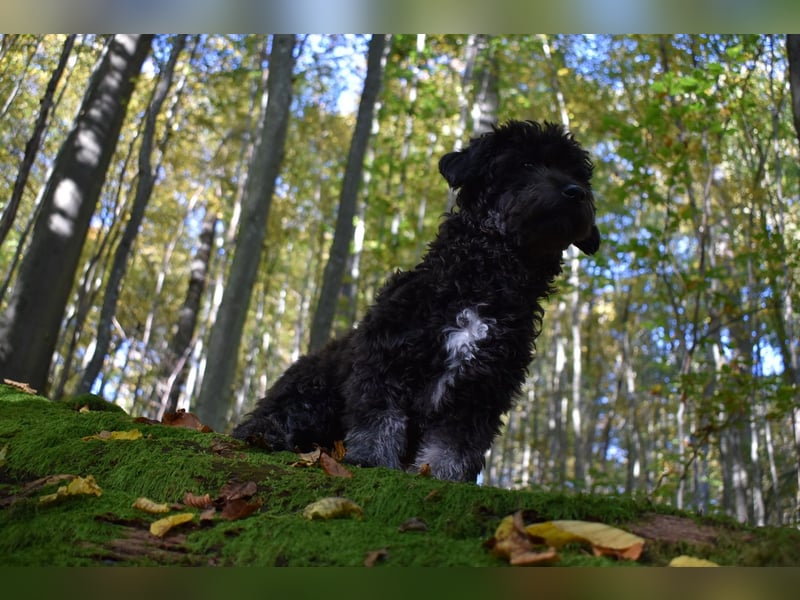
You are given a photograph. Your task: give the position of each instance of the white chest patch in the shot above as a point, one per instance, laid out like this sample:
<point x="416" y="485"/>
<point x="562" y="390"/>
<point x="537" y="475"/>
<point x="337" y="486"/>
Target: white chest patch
<point x="462" y="341"/>
<point x="460" y="344"/>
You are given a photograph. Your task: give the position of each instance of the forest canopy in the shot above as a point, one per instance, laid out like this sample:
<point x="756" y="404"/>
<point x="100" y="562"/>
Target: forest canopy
<point x="669" y="362"/>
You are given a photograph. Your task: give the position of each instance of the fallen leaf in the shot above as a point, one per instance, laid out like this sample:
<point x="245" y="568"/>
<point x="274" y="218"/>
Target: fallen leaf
<point x="84" y="409"/>
<point x="239" y="508"/>
<point x="307" y="459"/>
<point x="332" y="508"/>
<point x="425" y="470"/>
<point x="184" y="419"/>
<point x="332" y="467"/>
<point x="527" y="559"/>
<point x="604" y="539"/>
<point x="21" y="386"/>
<point x="233" y="490"/>
<point x="511" y="539"/>
<point x="105" y="436"/>
<point x="77" y="487"/>
<point x="413" y="524"/>
<point x="339" y="450"/>
<point x="204" y="501"/>
<point x="3" y="455"/>
<point x="146" y="421"/>
<point x="149" y="506"/>
<point x="207" y="515"/>
<point x="162" y="526"/>
<point x="690" y="561"/>
<point x="373" y="556"/>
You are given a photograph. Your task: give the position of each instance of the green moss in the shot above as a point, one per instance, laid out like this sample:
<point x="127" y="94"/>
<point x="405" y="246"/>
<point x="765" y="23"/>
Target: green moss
<point x="45" y="438"/>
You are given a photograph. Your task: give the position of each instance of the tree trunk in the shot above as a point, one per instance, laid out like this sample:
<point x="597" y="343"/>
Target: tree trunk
<point x="793" y="53"/>
<point x="30" y="325"/>
<point x="32" y="147"/>
<point x="144" y="189"/>
<point x="173" y="371"/>
<point x="225" y="336"/>
<point x="340" y="248"/>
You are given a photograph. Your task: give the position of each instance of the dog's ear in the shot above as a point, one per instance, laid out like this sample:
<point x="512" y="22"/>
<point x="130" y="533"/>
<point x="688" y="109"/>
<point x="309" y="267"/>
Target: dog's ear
<point x="591" y="244"/>
<point x="456" y="167"/>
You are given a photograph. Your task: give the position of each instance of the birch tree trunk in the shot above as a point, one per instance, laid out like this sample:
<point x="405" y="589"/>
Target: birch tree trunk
<point x="340" y="248"/>
<point x="225" y="337"/>
<point x="30" y="325"/>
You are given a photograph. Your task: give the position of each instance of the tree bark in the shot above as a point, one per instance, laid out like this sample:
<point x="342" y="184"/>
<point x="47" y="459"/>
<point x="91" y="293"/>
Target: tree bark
<point x="340" y="248"/>
<point x="225" y="336"/>
<point x="144" y="189"/>
<point x="173" y="370"/>
<point x="793" y="54"/>
<point x="30" y="325"/>
<point x="32" y="147"/>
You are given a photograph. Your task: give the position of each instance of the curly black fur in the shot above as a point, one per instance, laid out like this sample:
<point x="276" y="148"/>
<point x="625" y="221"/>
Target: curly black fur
<point x="443" y="351"/>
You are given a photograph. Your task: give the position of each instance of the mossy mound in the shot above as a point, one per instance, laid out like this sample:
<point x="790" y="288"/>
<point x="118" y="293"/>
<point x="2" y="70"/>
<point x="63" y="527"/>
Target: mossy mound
<point x="41" y="439"/>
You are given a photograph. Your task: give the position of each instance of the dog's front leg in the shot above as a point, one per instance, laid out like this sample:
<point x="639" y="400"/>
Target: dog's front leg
<point x="375" y="437"/>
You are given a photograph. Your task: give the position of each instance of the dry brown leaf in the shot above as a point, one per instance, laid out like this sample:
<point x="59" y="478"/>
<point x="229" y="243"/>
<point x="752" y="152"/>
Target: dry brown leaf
<point x="413" y="524"/>
<point x="339" y="450"/>
<point x="84" y="409"/>
<point x="333" y="508"/>
<point x="373" y="556"/>
<point x="146" y="421"/>
<point x="21" y="386"/>
<point x="690" y="561"/>
<point x="77" y="487"/>
<point x="239" y="508"/>
<point x="161" y="527"/>
<point x="207" y="515"/>
<point x="511" y="539"/>
<point x="233" y="490"/>
<point x="184" y="419"/>
<point x="527" y="559"/>
<point x="425" y="470"/>
<point x="149" y="506"/>
<point x="333" y="468"/>
<point x="106" y="436"/>
<point x="3" y="455"/>
<point x="204" y="501"/>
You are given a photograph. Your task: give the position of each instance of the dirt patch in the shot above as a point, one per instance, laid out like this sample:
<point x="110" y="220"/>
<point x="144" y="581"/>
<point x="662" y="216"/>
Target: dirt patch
<point x="135" y="542"/>
<point x="674" y="529"/>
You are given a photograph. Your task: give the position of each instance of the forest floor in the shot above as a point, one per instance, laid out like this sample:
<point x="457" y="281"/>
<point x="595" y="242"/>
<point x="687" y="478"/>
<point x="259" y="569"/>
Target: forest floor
<point x="69" y="480"/>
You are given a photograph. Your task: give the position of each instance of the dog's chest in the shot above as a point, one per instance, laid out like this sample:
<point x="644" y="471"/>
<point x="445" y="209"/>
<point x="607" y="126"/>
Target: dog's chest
<point x="461" y="340"/>
<point x="462" y="349"/>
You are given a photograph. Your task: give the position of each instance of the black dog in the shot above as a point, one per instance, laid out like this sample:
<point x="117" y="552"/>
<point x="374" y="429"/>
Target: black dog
<point x="440" y="356"/>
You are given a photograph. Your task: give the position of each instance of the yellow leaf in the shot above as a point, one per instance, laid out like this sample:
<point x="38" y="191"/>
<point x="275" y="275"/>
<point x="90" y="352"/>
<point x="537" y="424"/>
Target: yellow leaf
<point x="605" y="540"/>
<point x="148" y="505"/>
<point x="105" y="436"/>
<point x="552" y="534"/>
<point x="690" y="561"/>
<point x="162" y="526"/>
<point x="78" y="486"/>
<point x="332" y="508"/>
<point x="563" y="71"/>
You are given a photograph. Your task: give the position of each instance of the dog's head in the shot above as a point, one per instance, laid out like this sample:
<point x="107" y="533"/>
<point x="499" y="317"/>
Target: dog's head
<point x="533" y="181"/>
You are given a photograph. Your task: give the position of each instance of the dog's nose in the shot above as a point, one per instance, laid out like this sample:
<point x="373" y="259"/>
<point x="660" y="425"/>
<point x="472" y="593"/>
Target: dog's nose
<point x="574" y="192"/>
